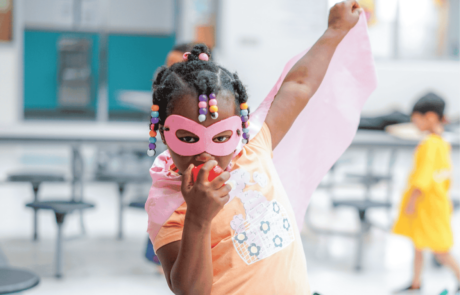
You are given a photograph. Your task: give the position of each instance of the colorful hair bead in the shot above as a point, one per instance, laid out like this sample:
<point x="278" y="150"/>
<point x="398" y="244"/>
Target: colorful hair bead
<point x="203" y="56"/>
<point x="185" y="56"/>
<point x="202" y="105"/>
<point x="154" y="119"/>
<point x="244" y="115"/>
<point x="213" y="109"/>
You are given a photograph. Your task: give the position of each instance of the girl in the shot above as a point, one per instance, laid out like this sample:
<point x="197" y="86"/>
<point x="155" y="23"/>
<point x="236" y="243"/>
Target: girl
<point x="425" y="213"/>
<point x="236" y="234"/>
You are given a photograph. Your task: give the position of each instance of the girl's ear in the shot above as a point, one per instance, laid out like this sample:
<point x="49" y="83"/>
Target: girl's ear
<point x="444" y="120"/>
<point x="162" y="134"/>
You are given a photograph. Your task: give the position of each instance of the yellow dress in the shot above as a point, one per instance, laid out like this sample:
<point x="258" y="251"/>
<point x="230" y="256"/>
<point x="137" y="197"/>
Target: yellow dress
<point x="429" y="227"/>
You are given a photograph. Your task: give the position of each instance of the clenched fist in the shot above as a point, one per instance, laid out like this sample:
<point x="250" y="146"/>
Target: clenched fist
<point x="344" y="15"/>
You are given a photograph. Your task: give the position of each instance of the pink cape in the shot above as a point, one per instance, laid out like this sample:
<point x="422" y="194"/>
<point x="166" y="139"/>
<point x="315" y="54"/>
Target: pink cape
<point x="318" y="137"/>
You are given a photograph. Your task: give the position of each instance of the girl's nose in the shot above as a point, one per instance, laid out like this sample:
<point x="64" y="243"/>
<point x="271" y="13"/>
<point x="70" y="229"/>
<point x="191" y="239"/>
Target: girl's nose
<point x="204" y="157"/>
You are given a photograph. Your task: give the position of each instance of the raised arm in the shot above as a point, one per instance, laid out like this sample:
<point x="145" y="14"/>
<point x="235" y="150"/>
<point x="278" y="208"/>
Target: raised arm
<point x="306" y="75"/>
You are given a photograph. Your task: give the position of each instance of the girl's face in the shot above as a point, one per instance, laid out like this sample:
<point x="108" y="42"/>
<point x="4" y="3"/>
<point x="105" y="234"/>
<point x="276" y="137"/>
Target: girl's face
<point x="425" y="122"/>
<point x="187" y="106"/>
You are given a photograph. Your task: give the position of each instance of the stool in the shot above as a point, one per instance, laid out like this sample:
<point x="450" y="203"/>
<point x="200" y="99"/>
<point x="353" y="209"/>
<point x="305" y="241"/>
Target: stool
<point x="121" y="180"/>
<point x="61" y="209"/>
<point x="35" y="178"/>
<point x="13" y="280"/>
<point x="361" y="207"/>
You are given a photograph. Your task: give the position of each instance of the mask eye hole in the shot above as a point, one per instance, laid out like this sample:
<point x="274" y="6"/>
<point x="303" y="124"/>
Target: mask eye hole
<point x="223" y="137"/>
<point x="187" y="136"/>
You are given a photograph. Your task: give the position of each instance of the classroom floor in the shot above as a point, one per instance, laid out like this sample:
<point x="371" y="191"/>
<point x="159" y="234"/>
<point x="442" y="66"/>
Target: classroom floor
<point x="98" y="263"/>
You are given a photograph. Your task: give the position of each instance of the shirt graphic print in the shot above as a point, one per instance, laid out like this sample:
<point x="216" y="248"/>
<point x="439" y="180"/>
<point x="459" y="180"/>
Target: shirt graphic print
<point x="266" y="228"/>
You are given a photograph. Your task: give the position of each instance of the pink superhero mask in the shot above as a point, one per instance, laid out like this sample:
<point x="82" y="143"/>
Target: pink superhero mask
<point x="205" y="143"/>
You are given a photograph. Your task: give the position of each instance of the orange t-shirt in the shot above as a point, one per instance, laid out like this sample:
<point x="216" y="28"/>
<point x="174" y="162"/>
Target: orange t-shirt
<point x="256" y="245"/>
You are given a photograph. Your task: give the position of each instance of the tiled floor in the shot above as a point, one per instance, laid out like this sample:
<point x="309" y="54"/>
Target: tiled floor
<point x="99" y="264"/>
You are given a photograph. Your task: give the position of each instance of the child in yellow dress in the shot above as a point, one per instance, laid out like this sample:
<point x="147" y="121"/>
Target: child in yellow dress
<point x="426" y="209"/>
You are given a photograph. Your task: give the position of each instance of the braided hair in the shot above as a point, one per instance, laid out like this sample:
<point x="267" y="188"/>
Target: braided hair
<point x="194" y="77"/>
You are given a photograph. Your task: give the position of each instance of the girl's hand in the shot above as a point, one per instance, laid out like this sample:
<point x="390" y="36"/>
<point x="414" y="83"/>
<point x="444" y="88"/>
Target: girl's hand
<point x="344" y="16"/>
<point x="204" y="198"/>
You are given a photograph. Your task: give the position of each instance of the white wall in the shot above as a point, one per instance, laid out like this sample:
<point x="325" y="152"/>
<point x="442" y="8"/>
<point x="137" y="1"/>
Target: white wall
<point x="257" y="41"/>
<point x="401" y="83"/>
<point x="11" y="72"/>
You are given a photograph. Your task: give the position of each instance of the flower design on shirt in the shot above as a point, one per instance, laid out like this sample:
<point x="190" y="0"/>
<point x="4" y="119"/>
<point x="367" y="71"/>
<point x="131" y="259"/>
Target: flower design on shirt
<point x="278" y="241"/>
<point x="276" y="207"/>
<point x="254" y="250"/>
<point x="241" y="237"/>
<point x="286" y="224"/>
<point x="265" y="226"/>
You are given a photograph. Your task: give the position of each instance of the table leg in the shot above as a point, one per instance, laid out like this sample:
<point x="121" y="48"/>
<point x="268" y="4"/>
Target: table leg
<point x="391" y="163"/>
<point x="370" y="162"/>
<point x="121" y="189"/>
<point x="60" y="222"/>
<point x="77" y="174"/>
<point x="77" y="181"/>
<point x="35" y="187"/>
<point x="360" y="240"/>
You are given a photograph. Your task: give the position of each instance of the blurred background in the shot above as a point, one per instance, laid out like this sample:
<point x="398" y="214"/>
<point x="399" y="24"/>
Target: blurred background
<point x="75" y="96"/>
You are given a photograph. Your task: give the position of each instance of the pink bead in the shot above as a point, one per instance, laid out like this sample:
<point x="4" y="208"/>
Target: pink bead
<point x="202" y="104"/>
<point x="185" y="56"/>
<point x="203" y="56"/>
<point x="213" y="102"/>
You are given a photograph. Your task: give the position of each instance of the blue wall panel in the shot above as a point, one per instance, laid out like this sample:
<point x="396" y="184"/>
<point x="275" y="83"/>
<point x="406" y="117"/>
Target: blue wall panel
<point x="132" y="61"/>
<point x="41" y="67"/>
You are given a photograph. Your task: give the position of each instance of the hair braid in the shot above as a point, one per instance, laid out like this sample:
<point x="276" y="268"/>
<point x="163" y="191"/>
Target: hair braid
<point x="194" y="77"/>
